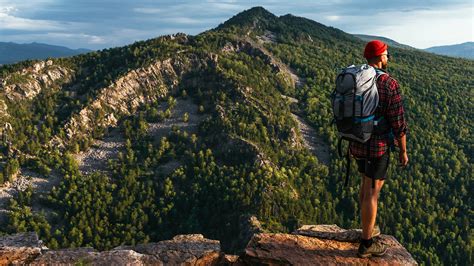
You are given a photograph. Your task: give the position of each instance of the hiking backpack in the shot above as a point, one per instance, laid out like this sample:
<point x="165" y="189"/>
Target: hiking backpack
<point x="354" y="101"/>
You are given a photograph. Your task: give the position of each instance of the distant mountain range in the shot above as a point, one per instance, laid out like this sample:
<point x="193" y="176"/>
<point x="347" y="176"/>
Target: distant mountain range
<point x="11" y="52"/>
<point x="463" y="50"/>
<point x="390" y="42"/>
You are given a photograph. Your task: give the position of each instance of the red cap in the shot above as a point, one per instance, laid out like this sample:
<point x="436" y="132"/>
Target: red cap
<point x="374" y="48"/>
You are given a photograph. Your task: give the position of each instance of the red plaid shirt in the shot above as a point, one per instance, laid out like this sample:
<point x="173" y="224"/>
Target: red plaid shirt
<point x="391" y="108"/>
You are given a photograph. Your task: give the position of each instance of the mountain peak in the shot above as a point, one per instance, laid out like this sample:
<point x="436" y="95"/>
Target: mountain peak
<point x="250" y="17"/>
<point x="257" y="11"/>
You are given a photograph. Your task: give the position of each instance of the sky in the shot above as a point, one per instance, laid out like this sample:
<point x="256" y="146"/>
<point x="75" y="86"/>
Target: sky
<point x="98" y="24"/>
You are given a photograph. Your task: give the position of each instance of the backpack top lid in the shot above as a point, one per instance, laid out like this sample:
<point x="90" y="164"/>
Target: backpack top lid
<point x="361" y="77"/>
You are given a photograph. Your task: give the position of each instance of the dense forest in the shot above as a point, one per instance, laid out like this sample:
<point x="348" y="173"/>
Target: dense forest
<point x="242" y="160"/>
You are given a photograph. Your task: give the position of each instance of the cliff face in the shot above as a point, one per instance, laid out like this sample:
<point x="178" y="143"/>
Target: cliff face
<point x="309" y="245"/>
<point x="28" y="82"/>
<point x="126" y="94"/>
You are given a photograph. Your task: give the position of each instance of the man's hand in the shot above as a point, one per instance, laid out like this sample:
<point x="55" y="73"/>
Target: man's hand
<point x="402" y="145"/>
<point x="403" y="156"/>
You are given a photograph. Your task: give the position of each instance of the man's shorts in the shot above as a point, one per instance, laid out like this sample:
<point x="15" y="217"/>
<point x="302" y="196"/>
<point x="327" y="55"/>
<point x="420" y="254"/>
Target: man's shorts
<point x="375" y="168"/>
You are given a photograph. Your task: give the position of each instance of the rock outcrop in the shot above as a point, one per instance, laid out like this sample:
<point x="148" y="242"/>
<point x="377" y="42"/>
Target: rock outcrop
<point x="123" y="97"/>
<point x="19" y="248"/>
<point x="253" y="48"/>
<point x="320" y="245"/>
<point x="29" y="82"/>
<point x="25" y="248"/>
<point x="309" y="245"/>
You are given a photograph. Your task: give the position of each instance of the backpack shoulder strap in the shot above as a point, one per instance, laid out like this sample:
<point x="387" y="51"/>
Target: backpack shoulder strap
<point x="379" y="72"/>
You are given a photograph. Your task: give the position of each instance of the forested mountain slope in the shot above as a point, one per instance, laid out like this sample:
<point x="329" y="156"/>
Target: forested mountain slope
<point x="246" y="156"/>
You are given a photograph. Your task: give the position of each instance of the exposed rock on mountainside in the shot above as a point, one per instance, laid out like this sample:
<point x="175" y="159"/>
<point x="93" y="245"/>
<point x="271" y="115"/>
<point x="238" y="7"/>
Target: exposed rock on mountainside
<point x="28" y="82"/>
<point x="96" y="158"/>
<point x="256" y="49"/>
<point x="41" y="186"/>
<point x="194" y="249"/>
<point x="311" y="140"/>
<point x="126" y="94"/>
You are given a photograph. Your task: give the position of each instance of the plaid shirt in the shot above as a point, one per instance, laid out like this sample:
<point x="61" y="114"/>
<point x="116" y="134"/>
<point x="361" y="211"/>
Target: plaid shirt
<point x="391" y="107"/>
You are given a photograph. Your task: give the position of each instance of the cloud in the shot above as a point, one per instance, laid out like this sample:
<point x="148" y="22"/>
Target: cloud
<point x="420" y="28"/>
<point x="107" y="23"/>
<point x="149" y="10"/>
<point x="7" y="10"/>
<point x="8" y="22"/>
<point x="416" y="9"/>
<point x="333" y="18"/>
<point x="82" y="37"/>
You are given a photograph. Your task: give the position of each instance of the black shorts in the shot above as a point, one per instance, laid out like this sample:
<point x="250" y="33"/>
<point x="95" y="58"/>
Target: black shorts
<point x="375" y="168"/>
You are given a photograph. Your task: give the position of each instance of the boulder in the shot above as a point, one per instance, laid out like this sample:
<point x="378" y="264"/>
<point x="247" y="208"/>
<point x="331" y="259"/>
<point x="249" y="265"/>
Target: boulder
<point x="320" y="245"/>
<point x="19" y="248"/>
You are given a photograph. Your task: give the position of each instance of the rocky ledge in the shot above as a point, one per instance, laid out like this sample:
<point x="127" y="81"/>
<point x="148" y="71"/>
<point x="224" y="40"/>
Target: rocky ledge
<point x="309" y="245"/>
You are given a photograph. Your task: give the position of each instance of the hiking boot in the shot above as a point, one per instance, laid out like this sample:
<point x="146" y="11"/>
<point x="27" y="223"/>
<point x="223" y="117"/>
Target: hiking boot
<point x="376" y="249"/>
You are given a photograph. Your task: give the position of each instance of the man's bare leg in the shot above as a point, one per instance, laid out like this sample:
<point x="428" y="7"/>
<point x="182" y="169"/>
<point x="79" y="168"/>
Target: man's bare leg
<point x="369" y="197"/>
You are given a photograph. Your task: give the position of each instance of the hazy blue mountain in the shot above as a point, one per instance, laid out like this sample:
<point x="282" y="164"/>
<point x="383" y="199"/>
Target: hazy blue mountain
<point x="390" y="42"/>
<point x="11" y="52"/>
<point x="465" y="50"/>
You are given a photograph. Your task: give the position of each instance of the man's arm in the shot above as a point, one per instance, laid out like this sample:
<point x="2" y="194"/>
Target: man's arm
<point x="403" y="156"/>
<point x="395" y="115"/>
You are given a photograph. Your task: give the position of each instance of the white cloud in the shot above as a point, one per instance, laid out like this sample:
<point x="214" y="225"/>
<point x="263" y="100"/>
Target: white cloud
<point x="333" y="18"/>
<point x="182" y="20"/>
<point x="8" y="10"/>
<point x="226" y="6"/>
<point x="426" y="28"/>
<point x="98" y="24"/>
<point x="148" y="10"/>
<point x="77" y="37"/>
<point x="185" y="20"/>
<point x="9" y="22"/>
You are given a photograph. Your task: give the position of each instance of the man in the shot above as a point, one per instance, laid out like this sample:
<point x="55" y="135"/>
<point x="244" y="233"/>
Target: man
<point x="373" y="156"/>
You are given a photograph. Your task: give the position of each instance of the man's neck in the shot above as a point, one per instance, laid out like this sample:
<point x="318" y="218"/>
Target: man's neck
<point x="377" y="65"/>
